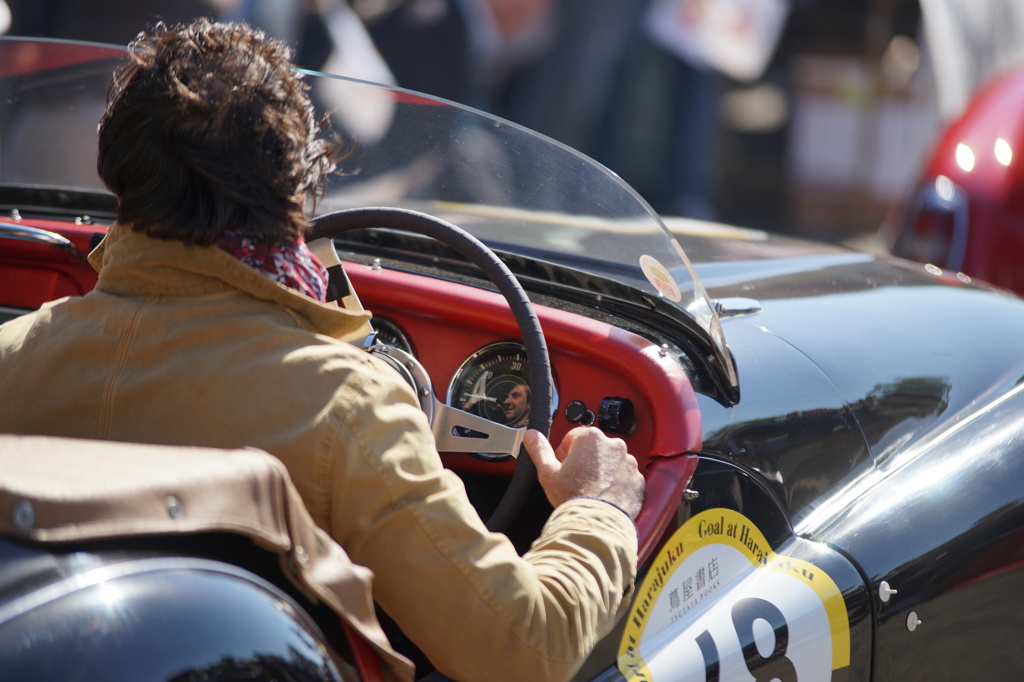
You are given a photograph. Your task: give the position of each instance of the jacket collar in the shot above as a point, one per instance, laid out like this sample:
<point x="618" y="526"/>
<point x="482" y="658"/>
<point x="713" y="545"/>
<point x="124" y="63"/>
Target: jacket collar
<point x="134" y="264"/>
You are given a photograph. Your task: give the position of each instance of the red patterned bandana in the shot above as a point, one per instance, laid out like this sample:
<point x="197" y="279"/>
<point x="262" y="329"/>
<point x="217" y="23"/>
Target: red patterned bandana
<point x="294" y="265"/>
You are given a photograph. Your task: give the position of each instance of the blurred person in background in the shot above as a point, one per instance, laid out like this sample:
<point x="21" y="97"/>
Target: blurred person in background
<point x="325" y="35"/>
<point x="635" y="85"/>
<point x="101" y="21"/>
<point x="461" y="50"/>
<point x="584" y="72"/>
<point x="592" y="74"/>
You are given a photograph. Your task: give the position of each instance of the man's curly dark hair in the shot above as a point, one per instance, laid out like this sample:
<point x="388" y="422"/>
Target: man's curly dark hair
<point x="208" y="128"/>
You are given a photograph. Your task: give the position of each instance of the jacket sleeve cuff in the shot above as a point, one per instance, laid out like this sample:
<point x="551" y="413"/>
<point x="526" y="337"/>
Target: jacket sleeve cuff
<point x="595" y="515"/>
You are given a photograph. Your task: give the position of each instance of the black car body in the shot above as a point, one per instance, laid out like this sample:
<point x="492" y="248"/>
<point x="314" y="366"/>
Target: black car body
<point x="832" y="439"/>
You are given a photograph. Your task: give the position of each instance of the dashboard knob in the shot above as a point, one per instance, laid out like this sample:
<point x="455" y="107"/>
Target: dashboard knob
<point x="577" y="413"/>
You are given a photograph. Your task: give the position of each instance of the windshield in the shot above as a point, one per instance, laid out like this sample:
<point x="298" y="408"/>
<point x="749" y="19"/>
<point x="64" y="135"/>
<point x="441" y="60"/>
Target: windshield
<point x="514" y="189"/>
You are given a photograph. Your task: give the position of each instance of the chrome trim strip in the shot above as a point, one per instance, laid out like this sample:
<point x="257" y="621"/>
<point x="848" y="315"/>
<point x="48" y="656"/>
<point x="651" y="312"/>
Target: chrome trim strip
<point x="37" y="236"/>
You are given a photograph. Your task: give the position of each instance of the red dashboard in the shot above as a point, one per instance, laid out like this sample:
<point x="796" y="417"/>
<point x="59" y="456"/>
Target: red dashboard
<point x="446" y="322"/>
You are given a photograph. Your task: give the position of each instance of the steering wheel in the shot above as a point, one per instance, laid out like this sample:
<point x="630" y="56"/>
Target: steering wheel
<point x="447" y="422"/>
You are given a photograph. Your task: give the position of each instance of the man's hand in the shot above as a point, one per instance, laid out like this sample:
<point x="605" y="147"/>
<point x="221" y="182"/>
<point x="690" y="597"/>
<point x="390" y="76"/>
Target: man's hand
<point x="587" y="464"/>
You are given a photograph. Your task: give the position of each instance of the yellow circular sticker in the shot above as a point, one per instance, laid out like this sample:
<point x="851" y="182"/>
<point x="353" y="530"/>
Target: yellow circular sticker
<point x="718" y="603"/>
<point x="659" y="276"/>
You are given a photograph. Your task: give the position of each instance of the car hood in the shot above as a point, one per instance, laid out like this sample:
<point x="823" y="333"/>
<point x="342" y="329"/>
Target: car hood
<point x="845" y="359"/>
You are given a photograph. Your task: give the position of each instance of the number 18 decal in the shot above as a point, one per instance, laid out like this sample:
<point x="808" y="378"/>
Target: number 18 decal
<point x="719" y="605"/>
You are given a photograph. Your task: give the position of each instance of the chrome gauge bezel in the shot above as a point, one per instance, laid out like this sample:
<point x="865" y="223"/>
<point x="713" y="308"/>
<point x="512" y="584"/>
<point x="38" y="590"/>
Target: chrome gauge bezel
<point x="390" y="334"/>
<point x="411" y="370"/>
<point x="481" y="360"/>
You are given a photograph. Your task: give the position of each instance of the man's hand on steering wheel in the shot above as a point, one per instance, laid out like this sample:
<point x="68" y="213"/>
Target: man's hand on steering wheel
<point x="587" y="463"/>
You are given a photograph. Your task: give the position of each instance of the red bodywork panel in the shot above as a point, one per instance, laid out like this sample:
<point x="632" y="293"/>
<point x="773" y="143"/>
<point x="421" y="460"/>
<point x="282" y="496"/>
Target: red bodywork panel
<point x="32" y="273"/>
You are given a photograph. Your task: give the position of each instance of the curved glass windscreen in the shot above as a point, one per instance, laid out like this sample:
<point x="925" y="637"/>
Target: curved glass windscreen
<point x="510" y="187"/>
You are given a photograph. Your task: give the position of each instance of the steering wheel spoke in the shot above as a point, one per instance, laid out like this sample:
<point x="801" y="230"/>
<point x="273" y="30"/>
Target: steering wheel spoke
<point x="451" y="426"/>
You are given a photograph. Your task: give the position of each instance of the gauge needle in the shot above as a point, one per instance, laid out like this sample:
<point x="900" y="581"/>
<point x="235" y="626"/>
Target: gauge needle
<point x="477" y="397"/>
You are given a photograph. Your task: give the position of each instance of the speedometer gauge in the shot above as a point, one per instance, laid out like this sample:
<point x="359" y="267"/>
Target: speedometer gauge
<point x="494" y="383"/>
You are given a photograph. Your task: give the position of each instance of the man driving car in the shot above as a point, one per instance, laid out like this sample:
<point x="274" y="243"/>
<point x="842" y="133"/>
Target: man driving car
<point x="208" y="327"/>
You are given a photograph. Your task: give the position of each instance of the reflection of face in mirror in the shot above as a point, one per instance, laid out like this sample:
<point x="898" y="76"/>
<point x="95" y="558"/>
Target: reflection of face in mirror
<point x="517" y="405"/>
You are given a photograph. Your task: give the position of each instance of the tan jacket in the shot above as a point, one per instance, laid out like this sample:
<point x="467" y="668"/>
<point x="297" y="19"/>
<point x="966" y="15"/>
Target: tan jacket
<point x="185" y="345"/>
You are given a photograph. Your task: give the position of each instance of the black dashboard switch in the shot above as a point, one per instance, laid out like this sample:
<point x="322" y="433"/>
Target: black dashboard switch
<point x="616" y="415"/>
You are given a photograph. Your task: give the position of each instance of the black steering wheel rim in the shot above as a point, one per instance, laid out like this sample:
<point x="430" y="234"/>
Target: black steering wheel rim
<point x="541" y="384"/>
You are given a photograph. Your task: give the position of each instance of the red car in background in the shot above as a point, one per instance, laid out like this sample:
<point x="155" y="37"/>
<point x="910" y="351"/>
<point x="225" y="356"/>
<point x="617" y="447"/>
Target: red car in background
<point x="967" y="214"/>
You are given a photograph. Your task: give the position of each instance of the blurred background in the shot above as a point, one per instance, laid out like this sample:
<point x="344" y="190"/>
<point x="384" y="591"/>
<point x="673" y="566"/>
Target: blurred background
<point x="802" y="117"/>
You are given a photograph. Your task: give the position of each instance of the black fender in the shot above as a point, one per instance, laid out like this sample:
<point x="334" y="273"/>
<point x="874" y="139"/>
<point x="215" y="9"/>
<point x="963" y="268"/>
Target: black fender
<point x="81" y="616"/>
<point x="942" y="525"/>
